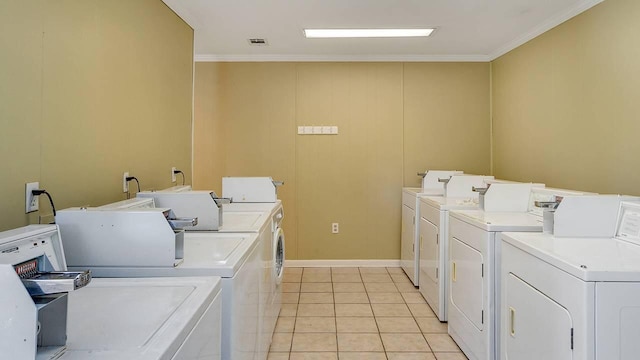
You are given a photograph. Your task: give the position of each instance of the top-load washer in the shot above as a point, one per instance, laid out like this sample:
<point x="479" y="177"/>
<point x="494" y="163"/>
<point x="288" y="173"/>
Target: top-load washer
<point x="259" y="212"/>
<point x="433" y="236"/>
<point x="142" y="243"/>
<point x="433" y="183"/>
<point x="574" y="294"/>
<point x="474" y="256"/>
<point x="273" y="256"/>
<point x="259" y="194"/>
<point x="153" y="319"/>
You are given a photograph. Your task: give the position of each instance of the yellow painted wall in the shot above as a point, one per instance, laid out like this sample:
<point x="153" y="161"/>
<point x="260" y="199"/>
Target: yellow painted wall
<point x="246" y="119"/>
<point x="91" y="89"/>
<point x="446" y="105"/>
<point x="565" y="105"/>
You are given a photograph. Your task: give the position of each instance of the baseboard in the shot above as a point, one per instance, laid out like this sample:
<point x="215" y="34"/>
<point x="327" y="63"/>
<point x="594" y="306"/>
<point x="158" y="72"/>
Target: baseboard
<point x="342" y="263"/>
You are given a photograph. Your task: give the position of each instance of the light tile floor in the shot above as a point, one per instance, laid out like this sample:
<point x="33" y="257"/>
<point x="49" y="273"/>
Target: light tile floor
<point x="357" y="313"/>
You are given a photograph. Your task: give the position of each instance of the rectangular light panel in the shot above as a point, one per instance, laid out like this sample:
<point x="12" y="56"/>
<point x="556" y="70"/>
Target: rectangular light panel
<point x="364" y="33"/>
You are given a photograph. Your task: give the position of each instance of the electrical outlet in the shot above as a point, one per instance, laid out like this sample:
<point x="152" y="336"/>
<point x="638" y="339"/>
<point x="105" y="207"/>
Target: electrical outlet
<point x="125" y="183"/>
<point x="173" y="174"/>
<point x="31" y="201"/>
<point x="334" y="228"/>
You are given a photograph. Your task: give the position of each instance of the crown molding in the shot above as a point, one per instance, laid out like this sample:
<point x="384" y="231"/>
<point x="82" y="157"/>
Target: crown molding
<point x="340" y="58"/>
<point x="544" y="27"/>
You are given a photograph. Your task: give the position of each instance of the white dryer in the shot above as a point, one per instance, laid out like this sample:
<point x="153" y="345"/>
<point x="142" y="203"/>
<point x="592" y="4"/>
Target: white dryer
<point x="433" y="233"/>
<point x="574" y="294"/>
<point x="141" y="243"/>
<point x="475" y="257"/>
<point x="472" y="253"/>
<point x="153" y="319"/>
<point x="434" y="184"/>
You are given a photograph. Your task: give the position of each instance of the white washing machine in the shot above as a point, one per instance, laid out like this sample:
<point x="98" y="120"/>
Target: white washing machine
<point x="433" y="183"/>
<point x="574" y="294"/>
<point x="273" y="255"/>
<point x="251" y="194"/>
<point x="433" y="240"/>
<point x="145" y="318"/>
<point x="248" y="216"/>
<point x="141" y="243"/>
<point x="153" y="319"/>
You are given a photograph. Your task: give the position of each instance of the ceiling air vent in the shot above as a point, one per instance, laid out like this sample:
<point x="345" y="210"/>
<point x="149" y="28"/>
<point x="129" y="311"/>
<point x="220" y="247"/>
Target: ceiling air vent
<point x="258" y="42"/>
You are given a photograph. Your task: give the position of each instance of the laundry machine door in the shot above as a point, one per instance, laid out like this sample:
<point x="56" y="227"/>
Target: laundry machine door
<point x="537" y="327"/>
<point x="278" y="256"/>
<point x="407" y="251"/>
<point x="429" y="260"/>
<point x="467" y="291"/>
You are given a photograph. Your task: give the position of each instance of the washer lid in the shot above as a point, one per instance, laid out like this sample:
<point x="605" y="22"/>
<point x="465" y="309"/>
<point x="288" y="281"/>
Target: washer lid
<point x="590" y="259"/>
<point x="220" y="254"/>
<point x="499" y="221"/>
<point x="243" y="221"/>
<point x="135" y="318"/>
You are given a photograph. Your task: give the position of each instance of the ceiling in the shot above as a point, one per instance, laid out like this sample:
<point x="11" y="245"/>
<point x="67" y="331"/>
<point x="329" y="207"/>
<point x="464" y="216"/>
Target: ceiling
<point x="466" y="30"/>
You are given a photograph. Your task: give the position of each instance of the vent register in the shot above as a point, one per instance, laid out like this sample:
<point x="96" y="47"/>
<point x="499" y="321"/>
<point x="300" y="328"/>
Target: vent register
<point x="258" y="42"/>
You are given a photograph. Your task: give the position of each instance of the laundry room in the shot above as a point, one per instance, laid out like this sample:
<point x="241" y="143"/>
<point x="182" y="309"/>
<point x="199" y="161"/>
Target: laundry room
<point x="205" y="133"/>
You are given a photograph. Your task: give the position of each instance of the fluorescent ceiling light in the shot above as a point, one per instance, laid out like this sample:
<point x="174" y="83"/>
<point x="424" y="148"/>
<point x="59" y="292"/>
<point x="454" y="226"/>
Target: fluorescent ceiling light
<point x="359" y="33"/>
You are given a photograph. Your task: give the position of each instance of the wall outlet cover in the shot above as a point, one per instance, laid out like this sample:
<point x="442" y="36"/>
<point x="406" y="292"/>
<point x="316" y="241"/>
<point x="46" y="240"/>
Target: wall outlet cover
<point x="32" y="202"/>
<point x="125" y="184"/>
